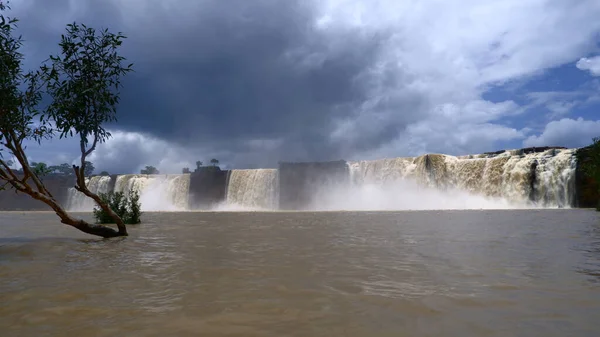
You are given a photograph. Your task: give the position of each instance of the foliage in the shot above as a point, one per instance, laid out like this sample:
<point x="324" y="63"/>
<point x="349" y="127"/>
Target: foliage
<point x="17" y="107"/>
<point x="185" y="170"/>
<point x="198" y="165"/>
<point x="127" y="208"/>
<point x="104" y="173"/>
<point x="62" y="169"/>
<point x="88" y="169"/>
<point x="83" y="83"/>
<point x="67" y="169"/>
<point x="40" y="169"/>
<point x="150" y="170"/>
<point x="214" y="162"/>
<point x="591" y="164"/>
<point x="82" y="89"/>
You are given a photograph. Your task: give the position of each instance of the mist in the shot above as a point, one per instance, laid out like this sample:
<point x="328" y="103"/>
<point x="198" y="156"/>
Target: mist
<point x="404" y="195"/>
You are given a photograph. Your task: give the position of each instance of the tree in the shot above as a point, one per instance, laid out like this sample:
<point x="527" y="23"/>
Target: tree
<point x="89" y="169"/>
<point x="82" y="85"/>
<point x="65" y="169"/>
<point x="185" y="170"/>
<point x="104" y="173"/>
<point x="591" y="164"/>
<point x="198" y="165"/>
<point x="214" y="162"/>
<point x="150" y="170"/>
<point x="41" y="169"/>
<point x="62" y="169"/>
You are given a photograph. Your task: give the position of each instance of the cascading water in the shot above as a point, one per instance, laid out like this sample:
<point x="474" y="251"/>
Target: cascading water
<point x="78" y="202"/>
<point x="161" y="192"/>
<point x="253" y="189"/>
<point x="510" y="179"/>
<point x="555" y="179"/>
<point x="545" y="179"/>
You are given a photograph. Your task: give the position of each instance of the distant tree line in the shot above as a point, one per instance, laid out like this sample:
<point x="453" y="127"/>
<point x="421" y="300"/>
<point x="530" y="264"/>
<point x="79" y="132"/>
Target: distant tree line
<point x="199" y="165"/>
<point x="150" y="170"/>
<point x="65" y="169"/>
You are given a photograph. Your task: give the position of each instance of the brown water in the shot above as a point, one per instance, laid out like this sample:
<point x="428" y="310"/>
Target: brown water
<point x="450" y="273"/>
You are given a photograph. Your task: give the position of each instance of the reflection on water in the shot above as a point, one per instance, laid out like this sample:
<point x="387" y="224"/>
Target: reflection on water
<point x="434" y="273"/>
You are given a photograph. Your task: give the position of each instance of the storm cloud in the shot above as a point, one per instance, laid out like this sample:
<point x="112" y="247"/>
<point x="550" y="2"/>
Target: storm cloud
<point x="255" y="82"/>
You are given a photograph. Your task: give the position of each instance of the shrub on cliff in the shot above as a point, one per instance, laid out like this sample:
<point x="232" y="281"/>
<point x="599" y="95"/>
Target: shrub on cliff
<point x="590" y="164"/>
<point x="127" y="208"/>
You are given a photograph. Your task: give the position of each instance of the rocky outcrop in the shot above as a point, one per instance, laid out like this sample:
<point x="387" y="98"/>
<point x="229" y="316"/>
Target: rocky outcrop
<point x="527" y="150"/>
<point x="208" y="186"/>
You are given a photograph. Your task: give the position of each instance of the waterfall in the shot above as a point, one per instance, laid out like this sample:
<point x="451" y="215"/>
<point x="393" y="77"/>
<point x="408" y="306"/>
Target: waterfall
<point x="160" y="192"/>
<point x="509" y="179"/>
<point x="545" y="179"/>
<point x="78" y="202"/>
<point x="253" y="189"/>
<point x="555" y="179"/>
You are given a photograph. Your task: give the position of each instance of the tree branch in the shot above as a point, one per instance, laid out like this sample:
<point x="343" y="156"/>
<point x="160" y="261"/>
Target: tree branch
<point x="18" y="152"/>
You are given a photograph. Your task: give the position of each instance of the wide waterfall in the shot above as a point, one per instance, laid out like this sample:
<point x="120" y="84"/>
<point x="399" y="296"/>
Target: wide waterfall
<point x="160" y="192"/>
<point x="78" y="202"/>
<point x="507" y="179"/>
<point x="252" y="189"/>
<point x="524" y="178"/>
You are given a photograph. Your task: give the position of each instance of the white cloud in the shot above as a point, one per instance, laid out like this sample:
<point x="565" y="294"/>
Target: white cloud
<point x="448" y="55"/>
<point x="124" y="152"/>
<point x="590" y="64"/>
<point x="566" y="132"/>
<point x="558" y="103"/>
<point x="129" y="152"/>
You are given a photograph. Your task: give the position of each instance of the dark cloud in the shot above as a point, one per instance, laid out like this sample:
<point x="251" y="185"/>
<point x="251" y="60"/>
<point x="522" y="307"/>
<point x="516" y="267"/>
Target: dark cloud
<point x="228" y="72"/>
<point x="255" y="82"/>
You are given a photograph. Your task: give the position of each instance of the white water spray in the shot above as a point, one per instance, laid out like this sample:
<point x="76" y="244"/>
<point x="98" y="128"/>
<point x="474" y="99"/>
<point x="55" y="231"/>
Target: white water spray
<point x="164" y="192"/>
<point x="78" y="202"/>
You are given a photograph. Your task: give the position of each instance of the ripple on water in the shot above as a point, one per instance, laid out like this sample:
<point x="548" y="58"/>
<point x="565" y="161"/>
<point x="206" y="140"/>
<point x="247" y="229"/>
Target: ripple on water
<point x="482" y="273"/>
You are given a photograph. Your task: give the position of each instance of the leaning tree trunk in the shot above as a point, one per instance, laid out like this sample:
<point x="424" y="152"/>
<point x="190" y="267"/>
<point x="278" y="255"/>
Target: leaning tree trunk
<point x="93" y="229"/>
<point x="43" y="194"/>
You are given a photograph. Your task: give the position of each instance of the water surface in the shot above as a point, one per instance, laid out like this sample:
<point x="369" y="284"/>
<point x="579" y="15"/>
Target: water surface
<point x="428" y="273"/>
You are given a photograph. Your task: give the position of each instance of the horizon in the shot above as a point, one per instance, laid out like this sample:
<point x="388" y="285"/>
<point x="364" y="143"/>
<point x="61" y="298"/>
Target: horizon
<point x="225" y="168"/>
<point x="331" y="79"/>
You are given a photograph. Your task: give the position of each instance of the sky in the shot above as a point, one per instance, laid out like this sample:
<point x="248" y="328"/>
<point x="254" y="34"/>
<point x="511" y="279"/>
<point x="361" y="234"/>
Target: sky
<point x="252" y="83"/>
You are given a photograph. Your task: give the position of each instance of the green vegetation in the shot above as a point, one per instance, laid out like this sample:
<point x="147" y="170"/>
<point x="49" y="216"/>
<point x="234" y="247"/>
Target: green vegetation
<point x="63" y="169"/>
<point x="185" y="170"/>
<point x="150" y="170"/>
<point x="88" y="168"/>
<point x="128" y="209"/>
<point x="41" y="169"/>
<point x="81" y="87"/>
<point x="104" y="173"/>
<point x="591" y="165"/>
<point x="199" y="166"/>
